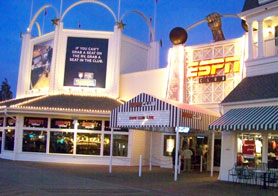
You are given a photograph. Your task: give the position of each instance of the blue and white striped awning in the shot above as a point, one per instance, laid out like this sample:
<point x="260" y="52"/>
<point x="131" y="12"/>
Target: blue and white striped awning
<point x="254" y="118"/>
<point x="148" y="111"/>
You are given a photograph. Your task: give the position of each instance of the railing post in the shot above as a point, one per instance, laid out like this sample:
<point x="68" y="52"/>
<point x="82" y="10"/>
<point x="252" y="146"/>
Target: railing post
<point x="201" y="163"/>
<point x="140" y="165"/>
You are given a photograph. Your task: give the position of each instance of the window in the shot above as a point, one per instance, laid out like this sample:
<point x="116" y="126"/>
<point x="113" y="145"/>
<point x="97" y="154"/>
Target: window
<point x="34" y="141"/>
<point x="106" y="145"/>
<point x="9" y="139"/>
<point x="61" y="142"/>
<point x="272" y="151"/>
<point x="88" y="143"/>
<point x="35" y="122"/>
<point x="62" y="123"/>
<point x="90" y="124"/>
<point x="120" y="145"/>
<point x="169" y="144"/>
<point x="249" y="149"/>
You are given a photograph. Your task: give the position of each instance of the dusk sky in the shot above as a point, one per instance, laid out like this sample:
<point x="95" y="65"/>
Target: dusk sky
<point x="15" y="18"/>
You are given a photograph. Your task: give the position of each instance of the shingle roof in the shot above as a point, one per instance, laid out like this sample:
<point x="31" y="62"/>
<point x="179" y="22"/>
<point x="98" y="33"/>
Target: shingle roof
<point x="250" y="4"/>
<point x="10" y="102"/>
<point x="255" y="88"/>
<point x="62" y="101"/>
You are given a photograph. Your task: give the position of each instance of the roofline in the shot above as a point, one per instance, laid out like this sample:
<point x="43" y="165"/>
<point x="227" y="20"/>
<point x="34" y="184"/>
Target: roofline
<point x="250" y="102"/>
<point x="257" y="10"/>
<point x="54" y="112"/>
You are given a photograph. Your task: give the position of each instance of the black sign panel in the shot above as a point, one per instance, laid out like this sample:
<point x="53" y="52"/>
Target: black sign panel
<point x="90" y="124"/>
<point x="10" y="122"/>
<point x="212" y="79"/>
<point x="35" y="122"/>
<point x="86" y="62"/>
<point x="62" y="123"/>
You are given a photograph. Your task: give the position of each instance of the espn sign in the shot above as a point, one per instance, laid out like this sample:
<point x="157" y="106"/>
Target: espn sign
<point x="212" y="66"/>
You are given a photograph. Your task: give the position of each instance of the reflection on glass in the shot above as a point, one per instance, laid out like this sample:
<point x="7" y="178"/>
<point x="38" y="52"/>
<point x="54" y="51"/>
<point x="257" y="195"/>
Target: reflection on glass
<point x="272" y="151"/>
<point x="249" y="150"/>
<point x="9" y="139"/>
<point x="61" y="142"/>
<point x="88" y="143"/>
<point x="34" y="141"/>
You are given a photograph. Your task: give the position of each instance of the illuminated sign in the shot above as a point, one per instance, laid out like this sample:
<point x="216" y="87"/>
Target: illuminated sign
<point x="144" y="118"/>
<point x="142" y="104"/>
<point x="210" y="67"/>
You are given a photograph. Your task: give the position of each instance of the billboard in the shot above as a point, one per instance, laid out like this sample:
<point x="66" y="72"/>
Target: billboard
<point x="86" y="62"/>
<point x="41" y="63"/>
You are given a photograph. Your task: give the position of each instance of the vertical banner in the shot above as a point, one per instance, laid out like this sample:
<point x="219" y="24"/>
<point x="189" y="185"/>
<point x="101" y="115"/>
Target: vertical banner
<point x="176" y="73"/>
<point x="41" y="63"/>
<point x="86" y="62"/>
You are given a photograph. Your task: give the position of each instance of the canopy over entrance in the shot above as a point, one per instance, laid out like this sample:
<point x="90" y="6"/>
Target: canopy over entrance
<point x="254" y="118"/>
<point x="145" y="111"/>
<point x="148" y="111"/>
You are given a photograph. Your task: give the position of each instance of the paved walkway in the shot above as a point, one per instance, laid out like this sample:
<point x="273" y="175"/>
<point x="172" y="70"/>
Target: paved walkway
<point x="30" y="178"/>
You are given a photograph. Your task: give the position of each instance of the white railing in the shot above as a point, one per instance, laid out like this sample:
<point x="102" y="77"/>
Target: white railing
<point x="269" y="48"/>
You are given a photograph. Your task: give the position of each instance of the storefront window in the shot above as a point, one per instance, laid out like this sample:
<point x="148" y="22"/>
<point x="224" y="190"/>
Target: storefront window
<point x="106" y="145"/>
<point x="62" y="124"/>
<point x="249" y="150"/>
<point x="9" y="139"/>
<point x="169" y="144"/>
<point x="34" y="141"/>
<point x="35" y="122"/>
<point x="272" y="151"/>
<point x="61" y="142"/>
<point x="120" y="145"/>
<point x="90" y="124"/>
<point x="88" y="143"/>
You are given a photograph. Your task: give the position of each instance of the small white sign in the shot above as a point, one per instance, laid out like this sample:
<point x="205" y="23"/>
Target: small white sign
<point x="143" y="118"/>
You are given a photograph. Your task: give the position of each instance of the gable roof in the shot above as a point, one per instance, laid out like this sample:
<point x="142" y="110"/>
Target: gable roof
<point x="250" y="4"/>
<point x="254" y="88"/>
<point x="63" y="102"/>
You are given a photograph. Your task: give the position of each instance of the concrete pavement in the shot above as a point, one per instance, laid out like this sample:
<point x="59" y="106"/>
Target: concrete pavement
<point x="31" y="178"/>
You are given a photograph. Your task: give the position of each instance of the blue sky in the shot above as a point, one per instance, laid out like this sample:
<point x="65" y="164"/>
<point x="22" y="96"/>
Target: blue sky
<point x="15" y="16"/>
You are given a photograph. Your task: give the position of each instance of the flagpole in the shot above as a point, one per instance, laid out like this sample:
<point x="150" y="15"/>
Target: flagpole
<point x="119" y="10"/>
<point x="61" y="6"/>
<point x="154" y="20"/>
<point x="31" y="11"/>
<point x="43" y="21"/>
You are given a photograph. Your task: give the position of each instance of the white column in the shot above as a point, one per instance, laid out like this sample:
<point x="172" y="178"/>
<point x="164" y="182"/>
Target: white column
<point x="250" y="41"/>
<point x="265" y="147"/>
<point x="111" y="150"/>
<point x="75" y="122"/>
<point x="150" y="164"/>
<point x="55" y="68"/>
<point x="22" y="81"/>
<point x="212" y="153"/>
<point x="260" y="40"/>
<point x="176" y="156"/>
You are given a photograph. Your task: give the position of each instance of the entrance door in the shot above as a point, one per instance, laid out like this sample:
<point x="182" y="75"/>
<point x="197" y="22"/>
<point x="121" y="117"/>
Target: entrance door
<point x="199" y="146"/>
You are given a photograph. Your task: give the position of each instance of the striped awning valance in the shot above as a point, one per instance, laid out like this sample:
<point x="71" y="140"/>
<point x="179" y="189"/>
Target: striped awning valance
<point x="147" y="111"/>
<point x="254" y="118"/>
